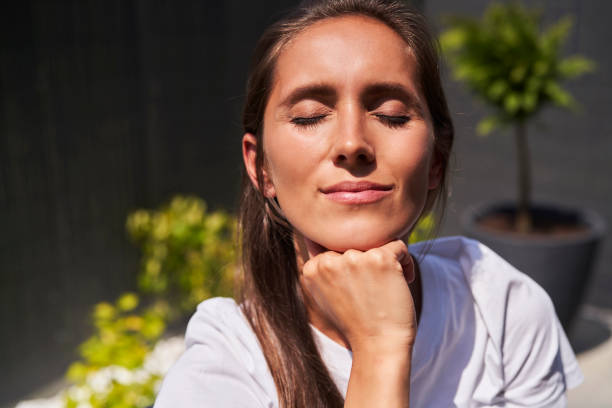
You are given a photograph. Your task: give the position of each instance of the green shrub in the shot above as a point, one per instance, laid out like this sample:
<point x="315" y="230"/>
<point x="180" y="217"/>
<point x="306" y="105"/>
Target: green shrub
<point x="423" y="230"/>
<point x="188" y="255"/>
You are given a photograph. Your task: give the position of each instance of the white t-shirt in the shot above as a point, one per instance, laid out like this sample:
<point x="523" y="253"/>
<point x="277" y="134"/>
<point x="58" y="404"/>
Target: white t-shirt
<point x="488" y="337"/>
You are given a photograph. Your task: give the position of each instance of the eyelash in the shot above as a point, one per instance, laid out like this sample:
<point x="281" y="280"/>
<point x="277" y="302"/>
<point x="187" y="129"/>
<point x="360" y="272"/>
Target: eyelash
<point x="307" y="122"/>
<point x="390" y="121"/>
<point x="393" y="121"/>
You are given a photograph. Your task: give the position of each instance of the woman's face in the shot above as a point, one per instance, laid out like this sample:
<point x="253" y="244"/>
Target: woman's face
<point x="347" y="137"/>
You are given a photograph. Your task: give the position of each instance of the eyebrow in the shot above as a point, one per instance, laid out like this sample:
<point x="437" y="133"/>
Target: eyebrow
<point x="319" y="92"/>
<point x="372" y="94"/>
<point x="378" y="92"/>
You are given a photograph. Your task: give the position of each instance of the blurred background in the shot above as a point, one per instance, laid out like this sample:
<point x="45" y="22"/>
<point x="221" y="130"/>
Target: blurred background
<point x="111" y="106"/>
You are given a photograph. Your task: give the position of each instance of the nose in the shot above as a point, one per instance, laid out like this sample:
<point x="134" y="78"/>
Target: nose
<point x="351" y="145"/>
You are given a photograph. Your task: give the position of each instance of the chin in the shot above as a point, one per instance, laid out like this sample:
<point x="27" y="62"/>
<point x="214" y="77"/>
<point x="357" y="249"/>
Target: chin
<point x="356" y="244"/>
<point x="361" y="239"/>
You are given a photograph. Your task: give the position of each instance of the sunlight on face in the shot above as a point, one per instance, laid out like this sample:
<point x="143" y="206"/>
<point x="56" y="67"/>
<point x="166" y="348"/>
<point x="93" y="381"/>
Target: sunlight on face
<point x="347" y="136"/>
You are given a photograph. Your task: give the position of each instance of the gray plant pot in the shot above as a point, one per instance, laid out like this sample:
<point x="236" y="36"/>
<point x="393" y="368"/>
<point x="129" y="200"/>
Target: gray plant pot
<point x="562" y="265"/>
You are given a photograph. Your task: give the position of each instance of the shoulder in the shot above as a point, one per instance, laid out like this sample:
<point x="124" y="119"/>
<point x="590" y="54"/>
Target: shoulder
<point x="216" y="318"/>
<point x="222" y="365"/>
<point x="537" y="362"/>
<point x="508" y="300"/>
<point x="505" y="297"/>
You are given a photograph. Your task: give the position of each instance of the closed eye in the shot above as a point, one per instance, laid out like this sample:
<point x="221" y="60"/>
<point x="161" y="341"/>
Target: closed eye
<point x="393" y="121"/>
<point x="307" y="122"/>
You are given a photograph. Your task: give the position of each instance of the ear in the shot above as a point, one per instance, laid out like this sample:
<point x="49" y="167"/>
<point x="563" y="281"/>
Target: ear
<point x="435" y="171"/>
<point x="249" y="155"/>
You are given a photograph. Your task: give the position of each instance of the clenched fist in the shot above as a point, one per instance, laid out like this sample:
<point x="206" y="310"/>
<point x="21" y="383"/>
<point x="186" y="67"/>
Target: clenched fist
<point x="364" y="295"/>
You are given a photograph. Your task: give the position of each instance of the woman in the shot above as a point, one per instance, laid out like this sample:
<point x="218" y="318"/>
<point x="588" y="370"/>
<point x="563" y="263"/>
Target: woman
<point x="346" y="145"/>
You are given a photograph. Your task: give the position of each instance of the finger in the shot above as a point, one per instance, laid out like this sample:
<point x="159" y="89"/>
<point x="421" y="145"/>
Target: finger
<point x="408" y="269"/>
<point x="400" y="251"/>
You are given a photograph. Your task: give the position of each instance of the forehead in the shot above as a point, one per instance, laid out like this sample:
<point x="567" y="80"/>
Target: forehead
<point x="345" y="50"/>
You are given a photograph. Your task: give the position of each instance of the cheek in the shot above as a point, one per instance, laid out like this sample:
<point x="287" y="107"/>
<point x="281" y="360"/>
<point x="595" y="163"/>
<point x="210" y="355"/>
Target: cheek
<point x="411" y="160"/>
<point x="290" y="162"/>
<point x="412" y="167"/>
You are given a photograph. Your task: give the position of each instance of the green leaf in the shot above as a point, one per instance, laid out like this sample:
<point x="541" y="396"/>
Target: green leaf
<point x="512" y="103"/>
<point x="498" y="89"/>
<point x="104" y="311"/>
<point x="530" y="102"/>
<point x="127" y="302"/>
<point x="558" y="95"/>
<point x="77" y="372"/>
<point x="541" y="68"/>
<point x="153" y="328"/>
<point x="138" y="224"/>
<point x="453" y="39"/>
<point x="556" y="35"/>
<point x="575" y="66"/>
<point x="423" y="229"/>
<point x="487" y="125"/>
<point x="534" y="85"/>
<point x="518" y="73"/>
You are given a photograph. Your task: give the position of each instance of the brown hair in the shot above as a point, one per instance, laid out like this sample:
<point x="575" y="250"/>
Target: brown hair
<point x="271" y="294"/>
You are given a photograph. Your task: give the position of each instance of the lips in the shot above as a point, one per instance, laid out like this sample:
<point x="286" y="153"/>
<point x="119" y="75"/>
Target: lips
<point x="357" y="192"/>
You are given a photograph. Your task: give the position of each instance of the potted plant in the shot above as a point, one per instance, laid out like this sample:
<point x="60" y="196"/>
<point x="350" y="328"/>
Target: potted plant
<point x="517" y="69"/>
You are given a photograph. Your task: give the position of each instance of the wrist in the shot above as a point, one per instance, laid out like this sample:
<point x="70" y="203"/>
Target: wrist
<point x="384" y="359"/>
<point x="388" y="346"/>
<point x="379" y="379"/>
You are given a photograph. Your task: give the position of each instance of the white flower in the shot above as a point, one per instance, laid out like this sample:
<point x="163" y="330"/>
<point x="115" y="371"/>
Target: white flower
<point x="141" y="376"/>
<point x="54" y="402"/>
<point x="163" y="356"/>
<point x="79" y="394"/>
<point x="158" y="362"/>
<point x="100" y="381"/>
<point x="121" y="374"/>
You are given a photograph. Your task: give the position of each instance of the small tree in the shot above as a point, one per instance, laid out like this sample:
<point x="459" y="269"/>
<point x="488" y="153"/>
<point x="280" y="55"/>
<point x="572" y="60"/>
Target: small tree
<point x="517" y="69"/>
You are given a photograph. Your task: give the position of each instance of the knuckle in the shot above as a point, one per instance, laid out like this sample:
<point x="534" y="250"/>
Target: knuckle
<point x="308" y="270"/>
<point x="352" y="256"/>
<point x="327" y="263"/>
<point x="378" y="257"/>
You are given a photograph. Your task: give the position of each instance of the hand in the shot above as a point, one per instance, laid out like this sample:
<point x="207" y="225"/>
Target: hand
<point x="365" y="295"/>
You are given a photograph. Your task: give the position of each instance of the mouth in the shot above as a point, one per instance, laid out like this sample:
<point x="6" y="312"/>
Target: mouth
<point x="357" y="192"/>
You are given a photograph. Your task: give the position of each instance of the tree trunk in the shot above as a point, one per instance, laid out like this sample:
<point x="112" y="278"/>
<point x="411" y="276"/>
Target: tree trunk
<point x="523" y="222"/>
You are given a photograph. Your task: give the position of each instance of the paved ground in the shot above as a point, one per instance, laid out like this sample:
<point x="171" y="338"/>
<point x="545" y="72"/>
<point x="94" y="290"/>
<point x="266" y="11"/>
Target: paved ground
<point x="592" y="340"/>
